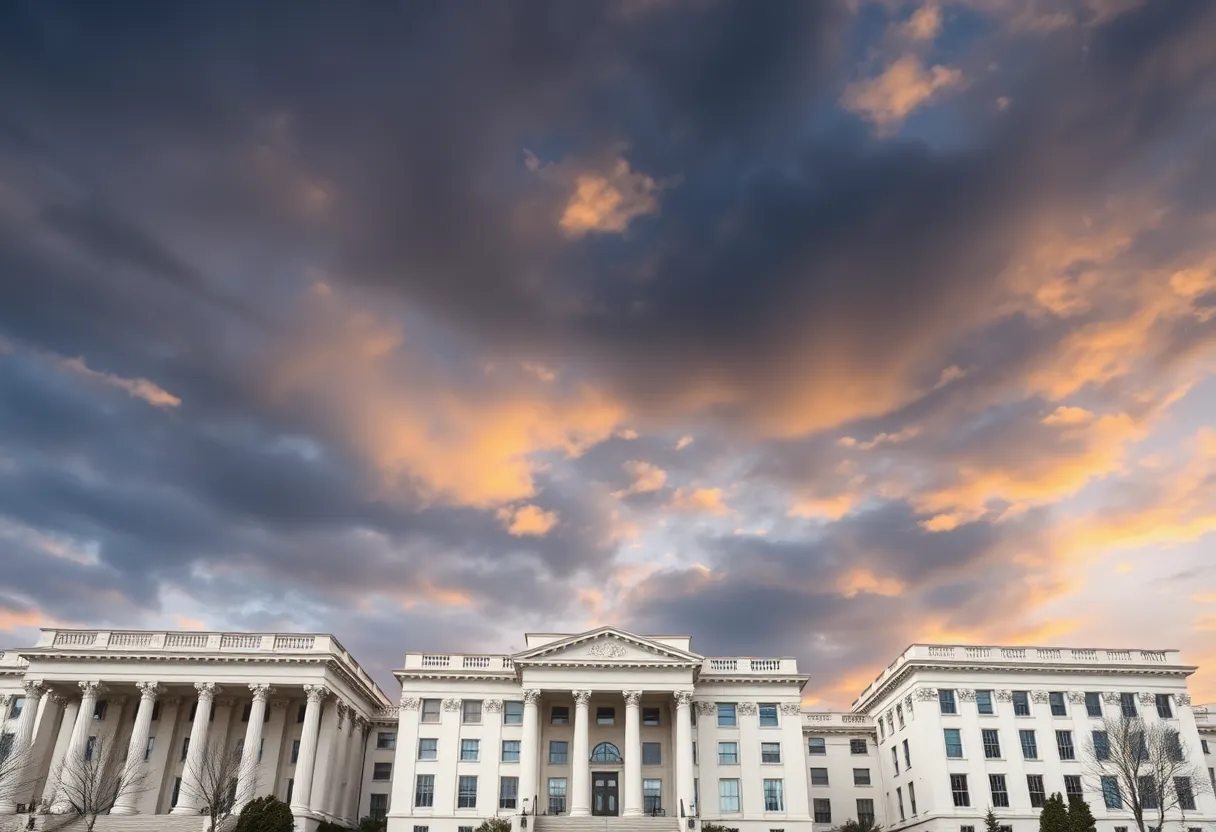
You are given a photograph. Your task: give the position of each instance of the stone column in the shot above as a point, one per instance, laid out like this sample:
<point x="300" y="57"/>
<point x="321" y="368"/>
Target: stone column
<point x="684" y="773"/>
<point x="22" y="741"/>
<point x="302" y="790"/>
<point x="631" y="806"/>
<point x="138" y="746"/>
<point x="351" y="770"/>
<point x="529" y="756"/>
<point x="187" y="797"/>
<point x="67" y="727"/>
<point x="247" y="777"/>
<point x="74" y="753"/>
<point x="580" y="757"/>
<point x="323" y="768"/>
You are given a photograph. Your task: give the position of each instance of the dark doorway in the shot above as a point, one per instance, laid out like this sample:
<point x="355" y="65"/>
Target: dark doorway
<point x="604" y="796"/>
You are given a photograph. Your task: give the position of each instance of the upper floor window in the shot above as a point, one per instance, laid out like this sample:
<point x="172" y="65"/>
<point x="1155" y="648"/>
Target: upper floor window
<point x="386" y="740"/>
<point x="728" y="753"/>
<point x="1127" y="704"/>
<point x="983" y="701"/>
<point x="816" y="745"/>
<point x="470" y="711"/>
<point x="558" y="752"/>
<point x="945" y="698"/>
<point x="652" y="754"/>
<point x="650" y="716"/>
<point x="470" y="750"/>
<point x="770" y="752"/>
<point x="1056" y="700"/>
<point x="559" y="715"/>
<point x="430" y="710"/>
<point x="382" y="771"/>
<point x="726" y="715"/>
<point x="512" y="712"/>
<point x="1093" y="703"/>
<point x="1163" y="706"/>
<point x="99" y="709"/>
<point x="768" y="715"/>
<point x="1021" y="703"/>
<point x="899" y="715"/>
<point x="606" y="752"/>
<point x="605" y="715"/>
<point x="858" y="747"/>
<point x="14" y="711"/>
<point x="954" y="742"/>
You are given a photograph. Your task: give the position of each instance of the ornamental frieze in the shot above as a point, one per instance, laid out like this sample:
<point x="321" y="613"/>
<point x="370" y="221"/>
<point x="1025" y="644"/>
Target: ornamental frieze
<point x="791" y="708"/>
<point x="1039" y="696"/>
<point x="451" y="704"/>
<point x="747" y="709"/>
<point x="705" y="708"/>
<point x="925" y="694"/>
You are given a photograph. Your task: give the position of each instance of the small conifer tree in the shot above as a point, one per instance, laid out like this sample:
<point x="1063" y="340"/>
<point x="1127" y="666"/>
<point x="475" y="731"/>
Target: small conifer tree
<point x="991" y="824"/>
<point x="1080" y="818"/>
<point x="1054" y="817"/>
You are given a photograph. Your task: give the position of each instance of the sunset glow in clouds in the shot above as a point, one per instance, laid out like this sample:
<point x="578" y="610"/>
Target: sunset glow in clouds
<point x="806" y="329"/>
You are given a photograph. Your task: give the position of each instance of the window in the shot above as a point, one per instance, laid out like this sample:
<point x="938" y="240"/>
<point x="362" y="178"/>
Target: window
<point x="1030" y="748"/>
<point x="16" y="708"/>
<point x="291" y="784"/>
<point x="774" y="798"/>
<point x="1064" y="745"/>
<point x="861" y="777"/>
<point x="1203" y="744"/>
<point x="558" y="750"/>
<point x="424" y="790"/>
<point x="1093" y="704"/>
<point x="770" y="752"/>
<point x="694" y="754"/>
<point x="652" y="796"/>
<point x="177" y="789"/>
<point x="983" y="701"/>
<point x="382" y="771"/>
<point x="1163" y="706"/>
<point x="992" y="743"/>
<point x="1021" y="703"/>
<point x="966" y="828"/>
<point x="912" y="796"/>
<point x="880" y="735"/>
<point x="1072" y="786"/>
<point x="90" y="748"/>
<point x="186" y="748"/>
<point x="148" y="748"/>
<point x="1110" y="793"/>
<point x="1034" y="784"/>
<point x="605" y="716"/>
<point x="958" y="790"/>
<point x="99" y="709"/>
<point x="261" y="748"/>
<point x="508" y="792"/>
<point x="899" y="714"/>
<point x="421" y="828"/>
<point x="606" y="752"/>
<point x="301" y="712"/>
<point x="1056" y="700"/>
<point x="512" y="712"/>
<point x="1127" y="704"/>
<point x="895" y="759"/>
<point x="768" y="714"/>
<point x="244" y="711"/>
<point x="379" y="805"/>
<point x="428" y="748"/>
<point x="466" y="792"/>
<point x="865" y="810"/>
<point x="557" y="795"/>
<point x="1101" y="745"/>
<point x="510" y="751"/>
<point x="1139" y="748"/>
<point x="728" y="793"/>
<point x="652" y="754"/>
<point x="559" y="715"/>
<point x="816" y="745"/>
<point x="650" y="716"/>
<point x="470" y="712"/>
<point x="945" y="698"/>
<point x="819" y="777"/>
<point x="386" y="740"/>
<point x="899" y="800"/>
<point x="726" y="715"/>
<point x="823" y="810"/>
<point x="907" y="756"/>
<point x="1000" y="792"/>
<point x="728" y="753"/>
<point x="954" y="742"/>
<point x="857" y="747"/>
<point x="1186" y="795"/>
<point x="430" y="710"/>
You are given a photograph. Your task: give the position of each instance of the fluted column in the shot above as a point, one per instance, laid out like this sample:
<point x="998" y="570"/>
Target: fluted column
<point x="684" y="774"/>
<point x="302" y="790"/>
<point x="59" y="752"/>
<point x="125" y="804"/>
<point x="187" y="796"/>
<point x="529" y="752"/>
<point x="22" y="742"/>
<point x="74" y="753"/>
<point x="631" y="806"/>
<point x="580" y="761"/>
<point x="247" y="777"/>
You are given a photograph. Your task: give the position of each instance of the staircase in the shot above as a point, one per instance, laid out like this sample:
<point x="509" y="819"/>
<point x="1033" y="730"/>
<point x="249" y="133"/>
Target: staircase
<point x="109" y="823"/>
<point x="562" y="823"/>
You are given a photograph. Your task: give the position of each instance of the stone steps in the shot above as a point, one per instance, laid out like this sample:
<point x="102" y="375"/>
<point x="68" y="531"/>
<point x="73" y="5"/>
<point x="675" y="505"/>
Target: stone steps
<point x="108" y="823"/>
<point x="605" y="824"/>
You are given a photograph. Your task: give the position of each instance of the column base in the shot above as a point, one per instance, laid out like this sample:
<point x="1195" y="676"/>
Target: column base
<point x="580" y="813"/>
<point x="183" y="810"/>
<point x="631" y="813"/>
<point x="124" y="810"/>
<point x="8" y="807"/>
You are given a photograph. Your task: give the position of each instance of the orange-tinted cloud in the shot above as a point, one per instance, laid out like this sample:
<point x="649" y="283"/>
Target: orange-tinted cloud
<point x="527" y="520"/>
<point x="645" y="476"/>
<point x="699" y="501"/>
<point x="137" y="388"/>
<point x="858" y="580"/>
<point x="904" y="86"/>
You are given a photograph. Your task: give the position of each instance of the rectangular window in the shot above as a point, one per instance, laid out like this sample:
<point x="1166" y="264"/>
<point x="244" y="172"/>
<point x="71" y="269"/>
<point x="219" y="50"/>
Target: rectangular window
<point x="1101" y="745"/>
<point x="823" y="810"/>
<point x="958" y="790"/>
<point x="907" y="756"/>
<point x="1030" y="748"/>
<point x="379" y="805"/>
<point x="1186" y="794"/>
<point x="244" y="711"/>
<point x="470" y="712"/>
<point x="1000" y="793"/>
<point x="652" y="796"/>
<point x="559" y="715"/>
<point x="899" y="801"/>
<point x="858" y="747"/>
<point x="186" y="748"/>
<point x="1110" y="793"/>
<point x="770" y="752"/>
<point x="386" y="740"/>
<point x="1203" y="744"/>
<point x="983" y="701"/>
<point x="466" y="792"/>
<point x="90" y="747"/>
<point x="14" y="711"/>
<point x="726" y="715"/>
<point x="954" y="742"/>
<point x="1034" y="784"/>
<point x="865" y="810"/>
<point x="177" y="790"/>
<point x="1056" y="700"/>
<point x="291" y="784"/>
<point x="510" y="751"/>
<point x="650" y="717"/>
<point x="428" y="748"/>
<point x="768" y="714"/>
<point x="1093" y="704"/>
<point x="557" y="795"/>
<point x="301" y="712"/>
<point x="912" y="796"/>
<point x="728" y="753"/>
<point x="861" y="777"/>
<point x="470" y="750"/>
<point x="652" y="754"/>
<point x="816" y="745"/>
<point x="422" y="828"/>
<point x="694" y="754"/>
<point x="774" y="797"/>
<point x="512" y="712"/>
<point x="1072" y="786"/>
<point x="148" y="748"/>
<point x="1064" y="745"/>
<point x="992" y="744"/>
<point x="430" y="710"/>
<point x="508" y="792"/>
<point x="1149" y="796"/>
<point x="605" y="716"/>
<point x="945" y="698"/>
<point x="1127" y="704"/>
<point x="99" y="710"/>
<point x="261" y="748"/>
<point x="1163" y="706"/>
<point x="895" y="759"/>
<point x="1021" y="703"/>
<point x="424" y="790"/>
<point x="728" y="795"/>
<point x="899" y="714"/>
<point x="558" y="752"/>
<point x="382" y="771"/>
<point x="819" y="777"/>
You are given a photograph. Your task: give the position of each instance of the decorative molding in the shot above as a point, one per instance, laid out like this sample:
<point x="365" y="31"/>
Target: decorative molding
<point x="705" y="707"/>
<point x="1003" y="695"/>
<point x="1076" y="697"/>
<point x="1111" y="697"/>
<point x="581" y="698"/>
<point x="34" y="689"/>
<point x="683" y="698"/>
<point x="261" y="691"/>
<point x="493" y="706"/>
<point x="747" y="709"/>
<point x="532" y="697"/>
<point x="607" y="650"/>
<point x="409" y="703"/>
<point x="93" y="689"/>
<point x="791" y="708"/>
<point x="149" y="690"/>
<point x="633" y="698"/>
<point x="6" y="699"/>
<point x="966" y="695"/>
<point x="343" y="708"/>
<point x="908" y="702"/>
<point x="206" y="691"/>
<point x="1147" y="698"/>
<point x="1183" y="699"/>
<point x="1039" y="696"/>
<point x="925" y="694"/>
<point x="451" y="704"/>
<point x="56" y="698"/>
<point x="316" y="694"/>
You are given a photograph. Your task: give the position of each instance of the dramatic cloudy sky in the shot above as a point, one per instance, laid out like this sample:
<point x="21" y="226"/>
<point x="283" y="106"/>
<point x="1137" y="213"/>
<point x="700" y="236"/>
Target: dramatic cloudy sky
<point x="804" y="328"/>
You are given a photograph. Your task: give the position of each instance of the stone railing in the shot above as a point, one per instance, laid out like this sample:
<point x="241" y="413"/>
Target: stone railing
<point x="747" y="666"/>
<point x="484" y="662"/>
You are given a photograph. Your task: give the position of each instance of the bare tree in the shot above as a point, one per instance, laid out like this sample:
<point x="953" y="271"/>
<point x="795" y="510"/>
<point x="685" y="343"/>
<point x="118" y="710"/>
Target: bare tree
<point x="14" y="773"/>
<point x="216" y="781"/>
<point x="1148" y="767"/>
<point x="90" y="785"/>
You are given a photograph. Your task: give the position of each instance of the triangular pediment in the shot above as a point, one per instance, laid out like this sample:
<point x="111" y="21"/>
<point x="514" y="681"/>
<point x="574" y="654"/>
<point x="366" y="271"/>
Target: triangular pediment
<point x="607" y="645"/>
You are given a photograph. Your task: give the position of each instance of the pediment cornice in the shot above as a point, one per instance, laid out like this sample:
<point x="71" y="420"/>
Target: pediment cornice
<point x="607" y="647"/>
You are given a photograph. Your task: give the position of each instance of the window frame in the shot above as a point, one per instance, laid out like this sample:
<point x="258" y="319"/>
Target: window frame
<point x="382" y="771"/>
<point x="431" y="711"/>
<point x="652" y="753"/>
<point x="502" y="792"/>
<point x="770" y="753"/>
<point x="820" y="776"/>
<point x="471" y="712"/>
<point x="869" y="781"/>
<point x="859" y="746"/>
<point x="774" y="794"/>
<point x="724" y="796"/>
<point x="947" y="702"/>
<point x="503" y="753"/>
<point x="462" y="794"/>
<point x="1093" y="698"/>
<point x="991" y="738"/>
<point x="1037" y="796"/>
<point x="435" y="748"/>
<point x="559" y="714"/>
<point x="958" y="735"/>
<point x="1021" y="703"/>
<point x="1023" y="735"/>
<point x="565" y="753"/>
<point x="766" y="715"/>
<point x="470" y="745"/>
<point x="722" y="761"/>
<point x="983" y="702"/>
<point x="1065" y="747"/>
<point x="722" y="713"/>
<point x="821" y="810"/>
<point x="605" y="715"/>
<point x="513" y="712"/>
<point x="386" y="740"/>
<point x="1001" y="794"/>
<point x="960" y="792"/>
<point x="813" y="750"/>
<point x="1057" y="703"/>
<point x="419" y="780"/>
<point x="560" y="795"/>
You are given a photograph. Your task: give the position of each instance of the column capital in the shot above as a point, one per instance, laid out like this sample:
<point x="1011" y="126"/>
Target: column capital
<point x="92" y="688"/>
<point x="409" y="703"/>
<point x="633" y="698"/>
<point x="56" y="698"/>
<point x="532" y="697"/>
<point x="6" y="699"/>
<point x="343" y="708"/>
<point x="34" y="689"/>
<point x="149" y="690"/>
<point x="261" y="691"/>
<point x="316" y="693"/>
<point x="582" y="697"/>
<point x="683" y="698"/>
<point x="206" y="691"/>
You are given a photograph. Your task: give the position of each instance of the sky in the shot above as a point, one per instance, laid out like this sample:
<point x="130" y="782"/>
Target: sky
<point x="805" y="329"/>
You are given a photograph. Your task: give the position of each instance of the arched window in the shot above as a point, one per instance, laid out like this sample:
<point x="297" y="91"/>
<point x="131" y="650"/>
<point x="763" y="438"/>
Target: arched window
<point x="606" y="752"/>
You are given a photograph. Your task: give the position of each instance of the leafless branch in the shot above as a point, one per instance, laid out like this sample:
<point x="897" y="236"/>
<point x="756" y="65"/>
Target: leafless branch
<point x="213" y="780"/>
<point x="90" y="785"/>
<point x="15" y="775"/>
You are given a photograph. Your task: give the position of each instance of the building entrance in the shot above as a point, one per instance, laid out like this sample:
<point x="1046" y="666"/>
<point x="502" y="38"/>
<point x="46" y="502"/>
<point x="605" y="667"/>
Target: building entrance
<point x="604" y="793"/>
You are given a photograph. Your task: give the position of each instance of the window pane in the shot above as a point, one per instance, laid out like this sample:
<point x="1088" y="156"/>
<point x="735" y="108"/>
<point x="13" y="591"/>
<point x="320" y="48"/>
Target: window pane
<point x="774" y="796"/>
<point x="817" y="745"/>
<point x="768" y="715"/>
<point x="726" y="714"/>
<point x="983" y="701"/>
<point x="945" y="698"/>
<point x="558" y="752"/>
<point x="513" y="713"/>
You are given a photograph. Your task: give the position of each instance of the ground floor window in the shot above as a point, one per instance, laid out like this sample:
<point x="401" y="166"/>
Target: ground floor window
<point x="466" y="793"/>
<point x="508" y="792"/>
<point x="379" y="806"/>
<point x="652" y="796"/>
<point x="424" y="791"/>
<point x="774" y="795"/>
<point x="557" y="795"/>
<point x="728" y="795"/>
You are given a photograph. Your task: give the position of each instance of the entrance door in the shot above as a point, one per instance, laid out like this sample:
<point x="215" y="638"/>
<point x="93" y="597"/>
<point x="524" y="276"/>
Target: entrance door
<point x="604" y="793"/>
